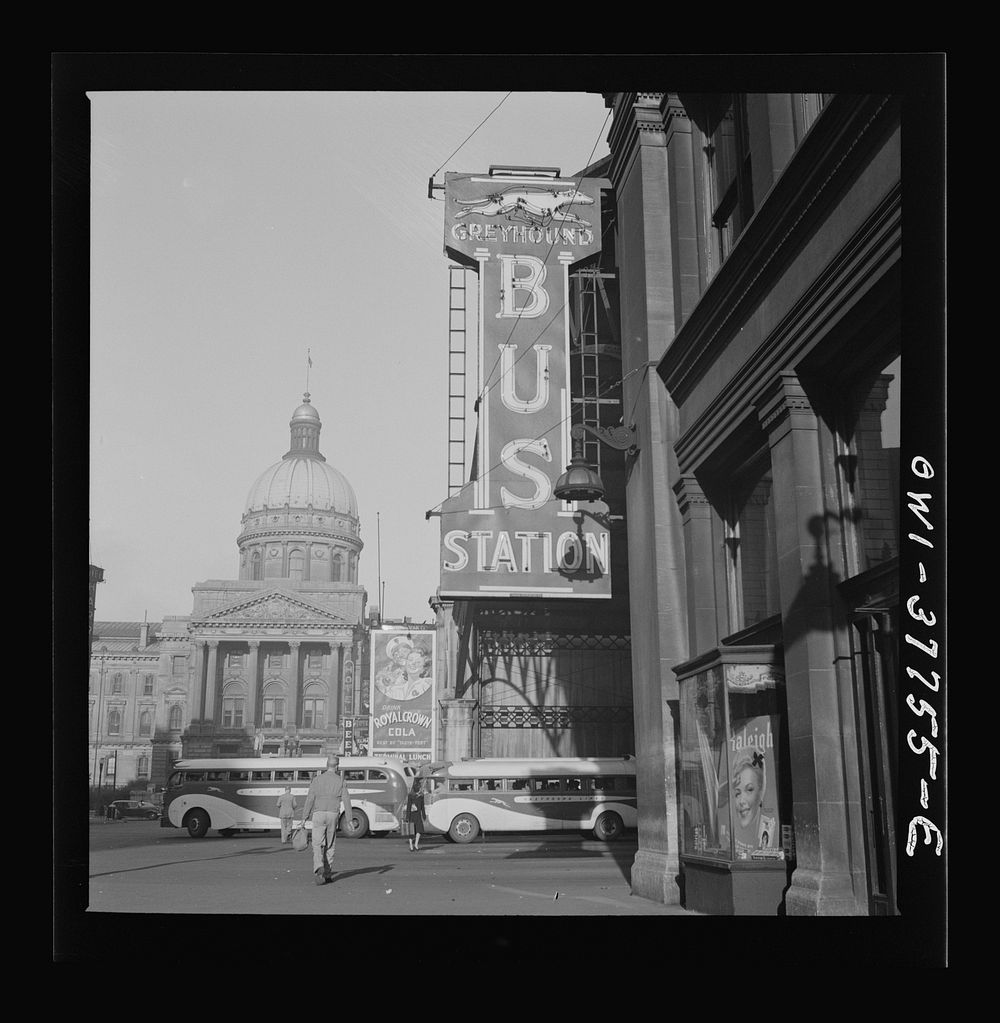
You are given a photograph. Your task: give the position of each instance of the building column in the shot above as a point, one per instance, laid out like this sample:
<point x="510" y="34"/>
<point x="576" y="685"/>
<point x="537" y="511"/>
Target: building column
<point x="196" y="677"/>
<point x="702" y="596"/>
<point x="458" y="728"/>
<point x="212" y="683"/>
<point x="817" y="721"/>
<point x="339" y="656"/>
<point x="653" y="206"/>
<point x="292" y="712"/>
<point x="253" y="676"/>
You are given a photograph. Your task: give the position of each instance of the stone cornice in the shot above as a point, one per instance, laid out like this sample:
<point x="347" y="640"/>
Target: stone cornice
<point x="827" y="155"/>
<point x="785" y="398"/>
<point x="637" y="121"/>
<point x="689" y="493"/>
<point x="266" y="612"/>
<point x="266" y="535"/>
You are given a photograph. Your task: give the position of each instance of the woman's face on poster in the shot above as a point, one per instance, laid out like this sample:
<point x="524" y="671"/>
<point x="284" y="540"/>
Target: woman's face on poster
<point x="746" y="794"/>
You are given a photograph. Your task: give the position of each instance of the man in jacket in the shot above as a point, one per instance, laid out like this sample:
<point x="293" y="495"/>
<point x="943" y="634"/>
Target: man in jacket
<point x="327" y="795"/>
<point x="286" y="813"/>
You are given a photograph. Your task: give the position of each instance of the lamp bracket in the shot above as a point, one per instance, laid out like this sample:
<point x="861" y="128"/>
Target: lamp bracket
<point x="621" y="438"/>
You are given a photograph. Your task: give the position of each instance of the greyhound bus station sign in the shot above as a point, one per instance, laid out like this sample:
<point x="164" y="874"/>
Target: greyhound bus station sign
<point x="505" y="534"/>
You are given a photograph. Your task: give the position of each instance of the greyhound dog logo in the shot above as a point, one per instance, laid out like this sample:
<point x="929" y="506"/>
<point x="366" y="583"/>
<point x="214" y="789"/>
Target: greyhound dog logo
<point x="532" y="205"/>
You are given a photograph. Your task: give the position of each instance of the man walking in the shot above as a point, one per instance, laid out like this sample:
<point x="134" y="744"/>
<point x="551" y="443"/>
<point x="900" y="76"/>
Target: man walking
<point x="327" y="794"/>
<point x="286" y="813"/>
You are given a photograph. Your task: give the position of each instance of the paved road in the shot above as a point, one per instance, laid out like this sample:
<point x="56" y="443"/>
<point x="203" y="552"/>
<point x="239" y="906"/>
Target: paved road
<point x="139" y="867"/>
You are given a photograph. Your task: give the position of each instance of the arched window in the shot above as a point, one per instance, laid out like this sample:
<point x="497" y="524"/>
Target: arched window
<point x="145" y="723"/>
<point x="176" y="718"/>
<point x="255" y="569"/>
<point x="233" y="705"/>
<point x="114" y="721"/>
<point x="296" y="564"/>
<point x="142" y="767"/>
<point x="314" y="706"/>
<point x="116" y="682"/>
<point x="274" y="706"/>
<point x="337" y="568"/>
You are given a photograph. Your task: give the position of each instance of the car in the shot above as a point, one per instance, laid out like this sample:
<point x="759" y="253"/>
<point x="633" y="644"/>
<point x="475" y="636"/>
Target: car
<point x="126" y="809"/>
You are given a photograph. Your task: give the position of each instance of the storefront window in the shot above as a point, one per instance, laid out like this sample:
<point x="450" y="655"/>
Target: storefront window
<point x="731" y="762"/>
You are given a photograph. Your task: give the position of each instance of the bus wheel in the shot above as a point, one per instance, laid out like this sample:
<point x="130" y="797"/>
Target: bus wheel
<point x="197" y="823"/>
<point x="357" y="825"/>
<point x="464" y="828"/>
<point x="608" y="827"/>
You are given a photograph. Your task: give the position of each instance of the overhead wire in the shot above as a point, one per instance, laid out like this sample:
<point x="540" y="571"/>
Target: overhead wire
<point x="486" y="383"/>
<point x="474" y="130"/>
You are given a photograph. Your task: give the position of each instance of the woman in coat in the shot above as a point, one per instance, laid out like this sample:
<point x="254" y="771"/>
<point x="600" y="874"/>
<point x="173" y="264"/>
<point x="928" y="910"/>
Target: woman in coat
<point x="415" y="814"/>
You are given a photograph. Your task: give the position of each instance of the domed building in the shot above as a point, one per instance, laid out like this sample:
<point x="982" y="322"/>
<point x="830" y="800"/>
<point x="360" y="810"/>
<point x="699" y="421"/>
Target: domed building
<point x="270" y="651"/>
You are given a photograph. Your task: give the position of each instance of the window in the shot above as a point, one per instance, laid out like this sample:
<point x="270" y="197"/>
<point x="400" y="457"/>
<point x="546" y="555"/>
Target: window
<point x="355" y="774"/>
<point x="114" y="721"/>
<point x="315" y="660"/>
<point x="236" y="660"/>
<point x="176" y="718"/>
<point x="548" y="784"/>
<point x="336" y="568"/>
<point x="274" y="707"/>
<point x="147" y="686"/>
<point x="275" y="660"/>
<point x="521" y="784"/>
<point x="752" y="556"/>
<point x="255" y="569"/>
<point x="727" y="154"/>
<point x="284" y="775"/>
<point x="296" y="564"/>
<point x="870" y="466"/>
<point x="233" y="705"/>
<point x="145" y="723"/>
<point x="216" y="775"/>
<point x="116" y="682"/>
<point x="305" y="775"/>
<point x="310" y="751"/>
<point x="494" y="784"/>
<point x="806" y="107"/>
<point x="376" y="775"/>
<point x="239" y="775"/>
<point x="314" y="707"/>
<point x="260" y="775"/>
<point x="178" y="664"/>
<point x="194" y="776"/>
<point x="270" y="749"/>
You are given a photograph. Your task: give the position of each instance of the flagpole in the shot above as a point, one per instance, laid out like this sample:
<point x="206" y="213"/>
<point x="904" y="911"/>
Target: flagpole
<point x="309" y="363"/>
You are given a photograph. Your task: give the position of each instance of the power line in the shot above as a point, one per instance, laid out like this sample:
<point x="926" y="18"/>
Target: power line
<point x="474" y="130"/>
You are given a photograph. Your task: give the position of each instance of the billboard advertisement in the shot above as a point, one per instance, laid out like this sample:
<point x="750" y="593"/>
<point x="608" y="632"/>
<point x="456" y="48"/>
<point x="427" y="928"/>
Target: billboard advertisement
<point x="506" y="534"/>
<point x="402" y="694"/>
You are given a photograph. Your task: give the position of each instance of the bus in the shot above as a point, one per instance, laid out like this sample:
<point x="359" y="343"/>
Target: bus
<point x="465" y="798"/>
<point x="235" y="794"/>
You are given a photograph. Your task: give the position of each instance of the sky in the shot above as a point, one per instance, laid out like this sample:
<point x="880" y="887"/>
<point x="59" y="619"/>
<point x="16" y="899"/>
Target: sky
<point x="232" y="233"/>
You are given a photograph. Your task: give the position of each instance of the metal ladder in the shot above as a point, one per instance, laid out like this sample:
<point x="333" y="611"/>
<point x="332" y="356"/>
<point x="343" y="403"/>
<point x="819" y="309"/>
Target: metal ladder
<point x="457" y="386"/>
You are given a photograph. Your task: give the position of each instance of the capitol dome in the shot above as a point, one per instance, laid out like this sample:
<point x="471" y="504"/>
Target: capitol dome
<point x="301" y="515"/>
<point x="300" y="483"/>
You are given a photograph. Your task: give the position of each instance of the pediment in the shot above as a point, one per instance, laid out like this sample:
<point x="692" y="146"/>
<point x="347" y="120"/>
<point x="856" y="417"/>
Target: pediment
<point x="275" y="608"/>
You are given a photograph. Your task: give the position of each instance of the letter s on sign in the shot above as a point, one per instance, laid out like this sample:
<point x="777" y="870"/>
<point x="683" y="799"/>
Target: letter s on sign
<point x="450" y="541"/>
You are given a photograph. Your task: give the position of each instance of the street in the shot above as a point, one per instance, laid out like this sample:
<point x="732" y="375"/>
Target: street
<point x="139" y="867"/>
